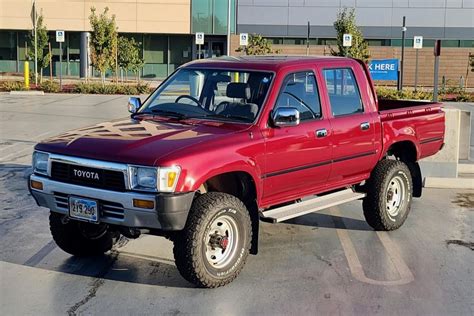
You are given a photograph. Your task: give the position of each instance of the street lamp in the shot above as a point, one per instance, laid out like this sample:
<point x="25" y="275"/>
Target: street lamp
<point x="404" y="30"/>
<point x="36" y="44"/>
<point x="228" y="26"/>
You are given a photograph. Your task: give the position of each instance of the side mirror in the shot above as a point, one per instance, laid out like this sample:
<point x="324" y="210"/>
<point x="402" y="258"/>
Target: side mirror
<point x="285" y="117"/>
<point x="134" y="104"/>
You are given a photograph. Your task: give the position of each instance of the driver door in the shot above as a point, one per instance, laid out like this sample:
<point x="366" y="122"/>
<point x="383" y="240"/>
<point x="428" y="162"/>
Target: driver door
<point x="298" y="158"/>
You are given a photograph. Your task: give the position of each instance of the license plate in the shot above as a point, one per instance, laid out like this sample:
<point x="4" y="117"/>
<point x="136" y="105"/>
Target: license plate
<point x="83" y="209"/>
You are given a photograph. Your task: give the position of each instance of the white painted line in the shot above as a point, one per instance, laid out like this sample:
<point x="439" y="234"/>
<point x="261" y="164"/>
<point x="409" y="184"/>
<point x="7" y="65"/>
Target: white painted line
<point x="357" y="271"/>
<point x="36" y="138"/>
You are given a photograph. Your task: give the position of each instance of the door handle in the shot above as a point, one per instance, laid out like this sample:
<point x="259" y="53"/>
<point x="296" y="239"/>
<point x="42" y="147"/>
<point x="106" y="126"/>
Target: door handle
<point x="321" y="133"/>
<point x="365" y="126"/>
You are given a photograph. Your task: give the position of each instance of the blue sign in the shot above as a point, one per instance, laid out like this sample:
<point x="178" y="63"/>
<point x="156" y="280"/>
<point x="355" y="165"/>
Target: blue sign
<point x="384" y="69"/>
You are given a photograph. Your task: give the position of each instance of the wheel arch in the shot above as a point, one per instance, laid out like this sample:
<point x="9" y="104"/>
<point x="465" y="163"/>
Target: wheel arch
<point x="242" y="185"/>
<point x="407" y="152"/>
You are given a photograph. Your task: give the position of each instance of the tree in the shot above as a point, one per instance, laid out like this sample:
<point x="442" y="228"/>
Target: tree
<point x="346" y="23"/>
<point x="257" y="46"/>
<point x="103" y="41"/>
<point x="42" y="40"/>
<point x="129" y="57"/>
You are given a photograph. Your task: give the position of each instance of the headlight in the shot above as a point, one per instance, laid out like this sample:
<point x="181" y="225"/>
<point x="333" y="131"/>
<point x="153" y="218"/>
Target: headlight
<point x="40" y="162"/>
<point x="143" y="178"/>
<point x="162" y="179"/>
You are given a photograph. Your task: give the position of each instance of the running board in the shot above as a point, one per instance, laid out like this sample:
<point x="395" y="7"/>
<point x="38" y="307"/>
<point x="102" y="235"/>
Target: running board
<point x="311" y="205"/>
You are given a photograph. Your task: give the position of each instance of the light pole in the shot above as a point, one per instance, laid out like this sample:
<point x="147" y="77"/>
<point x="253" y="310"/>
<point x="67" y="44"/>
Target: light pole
<point x="228" y="25"/>
<point x="36" y="44"/>
<point x="404" y="30"/>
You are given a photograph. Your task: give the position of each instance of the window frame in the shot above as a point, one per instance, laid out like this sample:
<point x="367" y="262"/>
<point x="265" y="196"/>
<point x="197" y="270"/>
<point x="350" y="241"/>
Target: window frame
<point x="329" y="98"/>
<point x="283" y="85"/>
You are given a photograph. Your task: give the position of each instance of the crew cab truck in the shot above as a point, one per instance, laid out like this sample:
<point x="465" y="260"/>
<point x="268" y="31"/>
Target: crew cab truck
<point x="223" y="143"/>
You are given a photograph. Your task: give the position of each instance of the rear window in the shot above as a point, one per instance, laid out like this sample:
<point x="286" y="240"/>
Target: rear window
<point x="343" y="91"/>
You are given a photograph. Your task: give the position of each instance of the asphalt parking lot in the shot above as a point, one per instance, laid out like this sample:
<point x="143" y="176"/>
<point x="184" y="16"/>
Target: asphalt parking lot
<point x="329" y="262"/>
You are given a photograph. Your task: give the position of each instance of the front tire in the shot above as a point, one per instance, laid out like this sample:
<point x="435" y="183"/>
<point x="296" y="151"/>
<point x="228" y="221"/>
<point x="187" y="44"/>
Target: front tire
<point x="214" y="245"/>
<point x="79" y="238"/>
<point x="389" y="195"/>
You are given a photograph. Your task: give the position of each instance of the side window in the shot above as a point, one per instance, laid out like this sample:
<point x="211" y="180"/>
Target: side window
<point x="299" y="90"/>
<point x="343" y="92"/>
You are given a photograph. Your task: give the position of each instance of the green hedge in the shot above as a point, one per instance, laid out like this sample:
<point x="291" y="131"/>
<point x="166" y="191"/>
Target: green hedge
<point x="99" y="88"/>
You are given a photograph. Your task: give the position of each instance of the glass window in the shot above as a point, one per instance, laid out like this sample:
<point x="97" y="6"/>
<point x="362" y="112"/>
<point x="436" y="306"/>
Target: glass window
<point x="180" y="50"/>
<point x="300" y="91"/>
<point x="343" y="92"/>
<point x="155" y="56"/>
<point x="7" y="45"/>
<point x="215" y="94"/>
<point x="210" y="16"/>
<point x="466" y="43"/>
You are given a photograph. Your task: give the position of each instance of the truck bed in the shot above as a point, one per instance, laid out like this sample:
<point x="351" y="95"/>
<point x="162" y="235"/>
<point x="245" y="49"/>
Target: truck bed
<point x="419" y="121"/>
<point x="389" y="109"/>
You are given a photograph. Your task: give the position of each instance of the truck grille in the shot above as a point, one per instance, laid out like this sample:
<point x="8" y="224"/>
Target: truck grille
<point x="89" y="177"/>
<point x="107" y="208"/>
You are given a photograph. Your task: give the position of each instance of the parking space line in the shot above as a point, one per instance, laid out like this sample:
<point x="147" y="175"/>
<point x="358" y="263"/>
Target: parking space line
<point x="41" y="254"/>
<point x="36" y="138"/>
<point x="355" y="266"/>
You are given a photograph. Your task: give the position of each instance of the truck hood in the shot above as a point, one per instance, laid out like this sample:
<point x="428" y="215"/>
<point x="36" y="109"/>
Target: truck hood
<point x="140" y="141"/>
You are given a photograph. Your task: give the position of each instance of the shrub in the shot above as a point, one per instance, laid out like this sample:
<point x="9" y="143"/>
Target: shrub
<point x="385" y="93"/>
<point x="97" y="88"/>
<point x="143" y="88"/>
<point x="49" y="86"/>
<point x="13" y="86"/>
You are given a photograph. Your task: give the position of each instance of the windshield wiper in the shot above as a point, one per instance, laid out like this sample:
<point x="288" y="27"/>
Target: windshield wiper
<point x="168" y="113"/>
<point x="230" y="117"/>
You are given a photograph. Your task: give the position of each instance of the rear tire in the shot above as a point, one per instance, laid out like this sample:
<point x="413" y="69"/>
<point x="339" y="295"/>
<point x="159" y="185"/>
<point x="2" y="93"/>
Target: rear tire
<point x="389" y="195"/>
<point x="79" y="238"/>
<point x="214" y="245"/>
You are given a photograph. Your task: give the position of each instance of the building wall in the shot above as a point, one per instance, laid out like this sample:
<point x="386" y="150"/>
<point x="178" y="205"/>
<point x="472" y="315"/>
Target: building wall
<point x="144" y="16"/>
<point x="453" y="61"/>
<point x="441" y="19"/>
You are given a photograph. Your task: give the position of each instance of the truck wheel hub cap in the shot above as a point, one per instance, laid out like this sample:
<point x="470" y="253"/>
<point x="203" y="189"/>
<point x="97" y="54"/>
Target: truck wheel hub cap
<point x="395" y="196"/>
<point x="221" y="243"/>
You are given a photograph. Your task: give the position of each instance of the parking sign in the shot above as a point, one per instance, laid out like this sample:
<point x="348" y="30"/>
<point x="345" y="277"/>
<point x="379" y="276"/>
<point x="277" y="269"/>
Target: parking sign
<point x="199" y="38"/>
<point x="418" y="42"/>
<point x="60" y="36"/>
<point x="244" y="39"/>
<point x="347" y="40"/>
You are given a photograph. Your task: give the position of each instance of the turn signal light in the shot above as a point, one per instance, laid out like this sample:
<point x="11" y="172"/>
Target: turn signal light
<point x="143" y="204"/>
<point x="36" y="185"/>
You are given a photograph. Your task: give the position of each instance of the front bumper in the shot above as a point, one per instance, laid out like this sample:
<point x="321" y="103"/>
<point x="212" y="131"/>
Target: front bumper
<point x="116" y="208"/>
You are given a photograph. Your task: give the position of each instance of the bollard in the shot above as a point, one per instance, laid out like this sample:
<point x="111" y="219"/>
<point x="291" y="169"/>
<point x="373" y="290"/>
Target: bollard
<point x="26" y="72"/>
<point x="461" y="82"/>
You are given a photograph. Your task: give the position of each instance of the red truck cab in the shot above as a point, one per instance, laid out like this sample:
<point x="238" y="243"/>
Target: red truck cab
<point x="223" y="143"/>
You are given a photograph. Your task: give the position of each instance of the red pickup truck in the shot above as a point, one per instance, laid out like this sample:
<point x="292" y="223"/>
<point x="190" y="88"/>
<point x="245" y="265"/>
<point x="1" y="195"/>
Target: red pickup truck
<point x="224" y="143"/>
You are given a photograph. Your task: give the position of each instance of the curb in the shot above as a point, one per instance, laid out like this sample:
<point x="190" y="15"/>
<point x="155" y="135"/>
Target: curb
<point x="449" y="183"/>
<point x="465" y="168"/>
<point x="26" y="92"/>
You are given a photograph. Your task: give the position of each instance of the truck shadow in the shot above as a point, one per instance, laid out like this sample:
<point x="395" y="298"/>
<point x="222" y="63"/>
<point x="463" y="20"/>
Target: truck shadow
<point x="115" y="266"/>
<point x="321" y="220"/>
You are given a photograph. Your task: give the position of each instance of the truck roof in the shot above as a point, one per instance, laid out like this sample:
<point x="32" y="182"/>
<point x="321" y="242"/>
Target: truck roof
<point x="266" y="62"/>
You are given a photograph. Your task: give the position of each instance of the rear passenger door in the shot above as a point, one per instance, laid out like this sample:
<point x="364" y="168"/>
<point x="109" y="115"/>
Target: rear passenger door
<point x="353" y="131"/>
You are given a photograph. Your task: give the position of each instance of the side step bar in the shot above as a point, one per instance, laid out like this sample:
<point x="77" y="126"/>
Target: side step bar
<point x="310" y="205"/>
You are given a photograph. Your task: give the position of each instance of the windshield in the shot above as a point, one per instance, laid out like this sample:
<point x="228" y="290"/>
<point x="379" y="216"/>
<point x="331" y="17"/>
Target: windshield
<point x="229" y="95"/>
